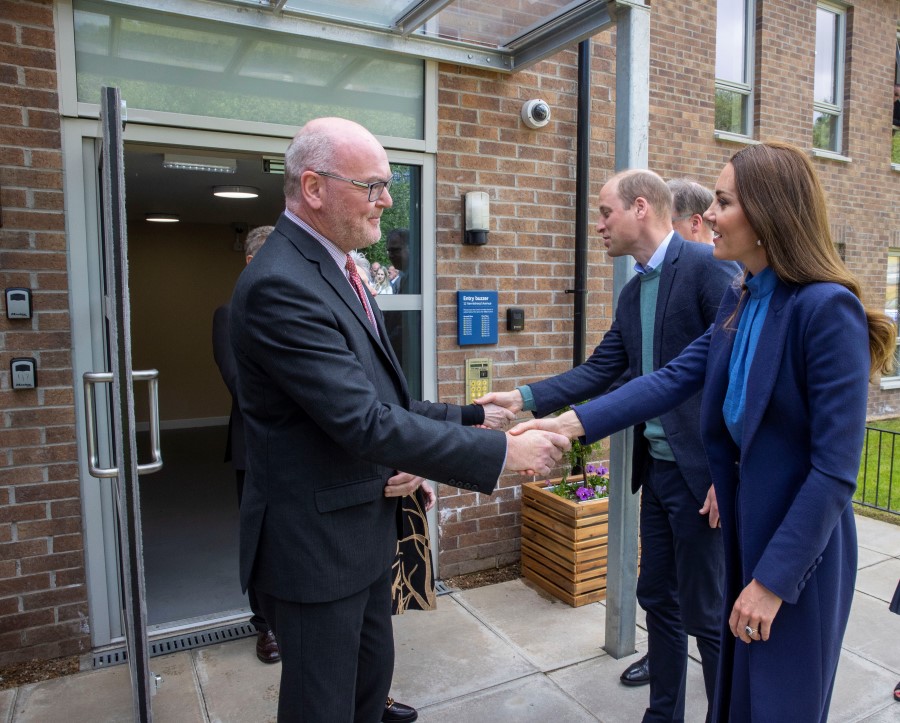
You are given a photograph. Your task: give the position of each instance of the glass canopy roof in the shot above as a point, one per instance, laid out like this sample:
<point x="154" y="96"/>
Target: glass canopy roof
<point x="506" y="35"/>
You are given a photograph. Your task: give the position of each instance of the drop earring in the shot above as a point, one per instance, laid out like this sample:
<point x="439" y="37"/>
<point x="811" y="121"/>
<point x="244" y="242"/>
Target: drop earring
<point x="758" y="242"/>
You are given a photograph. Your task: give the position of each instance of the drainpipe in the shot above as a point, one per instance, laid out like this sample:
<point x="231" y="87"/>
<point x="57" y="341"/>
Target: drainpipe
<point x="582" y="189"/>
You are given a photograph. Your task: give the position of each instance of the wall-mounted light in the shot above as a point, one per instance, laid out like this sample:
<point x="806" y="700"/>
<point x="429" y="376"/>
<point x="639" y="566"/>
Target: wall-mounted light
<point x="235" y="191"/>
<point x="478" y="217"/>
<point x="162" y="218"/>
<point x="199" y="163"/>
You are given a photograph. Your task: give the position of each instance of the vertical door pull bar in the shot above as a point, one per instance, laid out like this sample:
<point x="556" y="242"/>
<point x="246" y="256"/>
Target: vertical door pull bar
<point x="92" y="378"/>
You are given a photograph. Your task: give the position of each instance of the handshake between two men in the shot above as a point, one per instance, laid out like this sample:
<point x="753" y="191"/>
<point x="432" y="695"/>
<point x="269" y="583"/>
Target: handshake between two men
<point x="531" y="444"/>
<point x="501" y="407"/>
<point x="533" y="447"/>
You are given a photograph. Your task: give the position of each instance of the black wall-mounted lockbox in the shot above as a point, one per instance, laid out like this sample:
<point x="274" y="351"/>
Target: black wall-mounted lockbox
<point x="515" y="319"/>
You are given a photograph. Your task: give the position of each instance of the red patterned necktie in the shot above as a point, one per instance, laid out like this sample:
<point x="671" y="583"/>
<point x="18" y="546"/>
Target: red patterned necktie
<point x="358" y="288"/>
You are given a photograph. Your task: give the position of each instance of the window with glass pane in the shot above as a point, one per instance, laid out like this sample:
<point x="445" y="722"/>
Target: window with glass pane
<point x="399" y="255"/>
<point x="891" y="295"/>
<point x="734" y="66"/>
<point x="828" y="86"/>
<point x="178" y="64"/>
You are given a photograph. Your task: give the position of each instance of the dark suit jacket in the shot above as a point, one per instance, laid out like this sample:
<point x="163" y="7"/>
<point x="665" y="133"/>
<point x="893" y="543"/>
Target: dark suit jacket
<point x="786" y="514"/>
<point x="235" y="450"/>
<point x="328" y="420"/>
<point x="691" y="285"/>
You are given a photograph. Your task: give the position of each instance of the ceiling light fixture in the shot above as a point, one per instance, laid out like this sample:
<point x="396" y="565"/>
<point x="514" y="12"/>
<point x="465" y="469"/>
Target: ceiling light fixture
<point x="235" y="191"/>
<point x="199" y="163"/>
<point x="162" y="217"/>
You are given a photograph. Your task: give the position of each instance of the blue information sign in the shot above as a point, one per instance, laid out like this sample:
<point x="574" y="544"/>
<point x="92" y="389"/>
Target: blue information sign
<point x="476" y="316"/>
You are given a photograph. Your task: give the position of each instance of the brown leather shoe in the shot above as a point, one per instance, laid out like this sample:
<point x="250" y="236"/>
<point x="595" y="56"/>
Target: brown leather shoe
<point x="395" y="712"/>
<point x="266" y="647"/>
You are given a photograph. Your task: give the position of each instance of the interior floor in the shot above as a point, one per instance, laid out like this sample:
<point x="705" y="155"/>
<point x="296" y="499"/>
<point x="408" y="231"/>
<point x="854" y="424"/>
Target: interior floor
<point x="189" y="514"/>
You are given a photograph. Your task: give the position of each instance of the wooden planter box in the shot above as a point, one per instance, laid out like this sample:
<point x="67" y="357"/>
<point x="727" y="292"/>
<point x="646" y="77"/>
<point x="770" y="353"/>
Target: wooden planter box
<point x="564" y="544"/>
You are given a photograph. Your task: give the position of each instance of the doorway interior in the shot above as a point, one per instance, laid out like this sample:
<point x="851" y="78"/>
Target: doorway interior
<point x="180" y="271"/>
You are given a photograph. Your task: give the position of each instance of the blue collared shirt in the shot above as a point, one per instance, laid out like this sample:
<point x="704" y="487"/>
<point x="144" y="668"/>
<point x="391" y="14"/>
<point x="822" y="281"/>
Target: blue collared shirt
<point x="749" y="328"/>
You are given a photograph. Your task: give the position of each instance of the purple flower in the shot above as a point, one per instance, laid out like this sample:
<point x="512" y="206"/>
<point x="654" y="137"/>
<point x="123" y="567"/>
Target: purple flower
<point x="584" y="493"/>
<point x="590" y="469"/>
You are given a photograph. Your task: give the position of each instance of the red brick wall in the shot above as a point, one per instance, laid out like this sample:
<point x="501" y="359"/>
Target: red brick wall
<point x="43" y="604"/>
<point x="864" y="194"/>
<point x="529" y="258"/>
<point x="530" y="177"/>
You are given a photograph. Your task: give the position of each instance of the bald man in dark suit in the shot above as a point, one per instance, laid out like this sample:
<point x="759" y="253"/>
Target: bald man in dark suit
<point x="333" y="437"/>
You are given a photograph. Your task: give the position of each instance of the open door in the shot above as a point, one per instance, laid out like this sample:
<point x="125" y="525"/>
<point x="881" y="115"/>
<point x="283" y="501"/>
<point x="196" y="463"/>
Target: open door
<point x="123" y="468"/>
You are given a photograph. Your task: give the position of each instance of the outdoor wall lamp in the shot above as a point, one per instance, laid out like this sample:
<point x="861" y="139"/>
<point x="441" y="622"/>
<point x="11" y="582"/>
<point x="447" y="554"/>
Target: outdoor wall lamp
<point x="478" y="218"/>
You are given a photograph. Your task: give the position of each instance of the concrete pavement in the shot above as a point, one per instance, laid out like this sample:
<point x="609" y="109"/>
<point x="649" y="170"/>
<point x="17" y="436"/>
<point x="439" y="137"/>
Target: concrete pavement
<point x="505" y="653"/>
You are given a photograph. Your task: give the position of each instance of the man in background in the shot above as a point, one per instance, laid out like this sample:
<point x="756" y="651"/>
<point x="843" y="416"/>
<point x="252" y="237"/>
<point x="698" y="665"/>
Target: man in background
<point x="235" y="449"/>
<point x="689" y="201"/>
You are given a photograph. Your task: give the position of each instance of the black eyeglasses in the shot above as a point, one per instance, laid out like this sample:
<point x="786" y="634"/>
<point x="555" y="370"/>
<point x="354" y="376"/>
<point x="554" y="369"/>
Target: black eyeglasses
<point x="375" y="188"/>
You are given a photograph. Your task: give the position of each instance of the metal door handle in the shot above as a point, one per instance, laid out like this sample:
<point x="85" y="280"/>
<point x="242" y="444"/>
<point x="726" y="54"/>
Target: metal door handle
<point x="92" y="378"/>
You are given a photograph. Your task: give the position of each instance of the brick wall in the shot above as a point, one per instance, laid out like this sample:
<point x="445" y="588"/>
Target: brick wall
<point x="863" y="194"/>
<point x="43" y="606"/>
<point x="529" y="258"/>
<point x="530" y="178"/>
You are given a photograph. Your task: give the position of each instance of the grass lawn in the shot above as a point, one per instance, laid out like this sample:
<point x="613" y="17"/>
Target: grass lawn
<point x="881" y="455"/>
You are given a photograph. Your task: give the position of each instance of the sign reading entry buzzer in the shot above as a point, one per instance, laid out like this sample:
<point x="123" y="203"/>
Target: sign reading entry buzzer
<point x="476" y="316"/>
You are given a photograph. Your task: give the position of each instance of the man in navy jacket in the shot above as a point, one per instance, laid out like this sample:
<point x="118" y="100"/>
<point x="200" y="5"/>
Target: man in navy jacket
<point x="671" y="301"/>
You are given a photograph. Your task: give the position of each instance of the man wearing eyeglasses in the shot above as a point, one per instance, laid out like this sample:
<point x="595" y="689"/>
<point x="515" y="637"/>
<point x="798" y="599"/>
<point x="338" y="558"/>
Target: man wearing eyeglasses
<point x="329" y="422"/>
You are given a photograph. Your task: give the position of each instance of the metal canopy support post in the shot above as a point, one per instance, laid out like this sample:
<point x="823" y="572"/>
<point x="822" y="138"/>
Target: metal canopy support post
<point x="632" y="132"/>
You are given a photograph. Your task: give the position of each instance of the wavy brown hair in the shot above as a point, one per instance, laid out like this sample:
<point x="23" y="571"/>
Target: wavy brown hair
<point x="784" y="203"/>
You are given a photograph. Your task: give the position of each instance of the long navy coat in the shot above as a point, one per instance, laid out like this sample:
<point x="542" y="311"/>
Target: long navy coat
<point x="784" y="496"/>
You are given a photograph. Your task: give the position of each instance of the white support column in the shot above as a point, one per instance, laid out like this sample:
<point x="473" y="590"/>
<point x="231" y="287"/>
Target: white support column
<point x="632" y="135"/>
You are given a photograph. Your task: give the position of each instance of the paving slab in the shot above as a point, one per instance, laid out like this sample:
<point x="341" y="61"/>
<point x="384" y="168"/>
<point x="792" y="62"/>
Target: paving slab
<point x="860" y="690"/>
<point x="595" y="685"/>
<point x="564" y="635"/>
<point x="104" y="696"/>
<point x="448" y="653"/>
<point x="879" y="536"/>
<point x="873" y="633"/>
<point x="237" y="688"/>
<point x="888" y="714"/>
<point x="880" y="580"/>
<point x="869" y="557"/>
<point x="533" y="699"/>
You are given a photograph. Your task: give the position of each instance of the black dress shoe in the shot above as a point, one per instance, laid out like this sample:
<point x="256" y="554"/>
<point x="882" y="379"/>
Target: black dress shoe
<point x="266" y="647"/>
<point x="637" y="673"/>
<point x="395" y="712"/>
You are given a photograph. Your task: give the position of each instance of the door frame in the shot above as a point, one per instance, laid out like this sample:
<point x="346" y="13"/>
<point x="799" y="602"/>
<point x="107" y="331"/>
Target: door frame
<point x="80" y="138"/>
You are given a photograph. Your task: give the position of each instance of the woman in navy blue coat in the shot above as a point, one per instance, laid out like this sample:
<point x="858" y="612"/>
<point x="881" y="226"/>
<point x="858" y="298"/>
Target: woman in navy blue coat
<point x="784" y="373"/>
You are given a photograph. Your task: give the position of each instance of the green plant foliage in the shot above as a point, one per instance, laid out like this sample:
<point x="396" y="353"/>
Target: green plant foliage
<point x="592" y="486"/>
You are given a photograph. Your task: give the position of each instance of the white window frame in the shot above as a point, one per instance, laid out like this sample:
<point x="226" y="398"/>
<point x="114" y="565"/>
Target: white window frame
<point x="835" y="110"/>
<point x="745" y="89"/>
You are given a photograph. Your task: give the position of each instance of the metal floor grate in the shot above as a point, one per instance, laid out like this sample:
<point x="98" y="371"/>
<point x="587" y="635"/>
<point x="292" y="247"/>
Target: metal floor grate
<point x="175" y="643"/>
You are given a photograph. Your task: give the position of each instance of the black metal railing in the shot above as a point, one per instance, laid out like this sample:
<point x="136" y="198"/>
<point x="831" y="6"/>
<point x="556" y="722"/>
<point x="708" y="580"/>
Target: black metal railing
<point x="877" y="485"/>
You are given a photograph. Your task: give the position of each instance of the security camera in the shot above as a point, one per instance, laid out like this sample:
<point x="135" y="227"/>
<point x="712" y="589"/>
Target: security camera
<point x="536" y="113"/>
